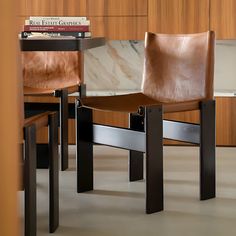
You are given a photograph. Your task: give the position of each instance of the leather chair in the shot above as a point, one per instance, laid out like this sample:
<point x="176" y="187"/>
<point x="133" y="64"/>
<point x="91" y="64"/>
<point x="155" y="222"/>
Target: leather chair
<point x="177" y="77"/>
<point x="28" y="164"/>
<point x="54" y="74"/>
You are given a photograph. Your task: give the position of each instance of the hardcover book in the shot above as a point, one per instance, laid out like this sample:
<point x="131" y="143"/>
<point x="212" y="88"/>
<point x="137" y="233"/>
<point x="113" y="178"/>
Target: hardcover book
<point x="50" y="26"/>
<point x="54" y="28"/>
<point x="74" y="18"/>
<point x="27" y="34"/>
<point x="57" y="21"/>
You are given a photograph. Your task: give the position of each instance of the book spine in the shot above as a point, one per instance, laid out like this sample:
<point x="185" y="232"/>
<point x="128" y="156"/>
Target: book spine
<point x="26" y="34"/>
<point x="73" y="18"/>
<point x="65" y="22"/>
<point x="42" y="28"/>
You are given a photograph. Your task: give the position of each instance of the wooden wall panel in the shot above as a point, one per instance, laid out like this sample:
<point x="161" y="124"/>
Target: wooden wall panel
<point x="119" y="119"/>
<point x="75" y="8"/>
<point x="178" y="16"/>
<point x="164" y="16"/>
<point x="20" y="22"/>
<point x="10" y="102"/>
<point x="44" y="7"/>
<point x="119" y="28"/>
<point x="226" y="121"/>
<point x="223" y="18"/>
<point x="84" y="7"/>
<point x="117" y="8"/>
<point x="119" y="20"/>
<point x="21" y="11"/>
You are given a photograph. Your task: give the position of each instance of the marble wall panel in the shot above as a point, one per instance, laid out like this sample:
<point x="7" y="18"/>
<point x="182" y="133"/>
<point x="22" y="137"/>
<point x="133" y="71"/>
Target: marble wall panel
<point x="118" y="66"/>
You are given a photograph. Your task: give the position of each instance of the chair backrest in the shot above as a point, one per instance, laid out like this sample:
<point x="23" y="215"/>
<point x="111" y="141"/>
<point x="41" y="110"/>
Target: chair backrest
<point x="179" y="68"/>
<point x="51" y="70"/>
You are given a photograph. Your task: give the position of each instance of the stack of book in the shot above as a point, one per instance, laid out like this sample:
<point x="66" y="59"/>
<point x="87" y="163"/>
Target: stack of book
<point x="77" y="27"/>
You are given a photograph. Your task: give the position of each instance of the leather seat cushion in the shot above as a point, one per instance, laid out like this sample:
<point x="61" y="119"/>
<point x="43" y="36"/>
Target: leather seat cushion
<point x="132" y="102"/>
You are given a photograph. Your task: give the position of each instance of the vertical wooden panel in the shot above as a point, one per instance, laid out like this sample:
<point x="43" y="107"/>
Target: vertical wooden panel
<point x="20" y="22"/>
<point x="9" y="119"/>
<point x="87" y="7"/>
<point x="75" y="8"/>
<point x="126" y="28"/>
<point x="21" y="8"/>
<point x="119" y="119"/>
<point x="119" y="28"/>
<point x="223" y="18"/>
<point x="44" y="7"/>
<point x="117" y="8"/>
<point x="178" y="16"/>
<point x="225" y="121"/>
<point x="98" y="26"/>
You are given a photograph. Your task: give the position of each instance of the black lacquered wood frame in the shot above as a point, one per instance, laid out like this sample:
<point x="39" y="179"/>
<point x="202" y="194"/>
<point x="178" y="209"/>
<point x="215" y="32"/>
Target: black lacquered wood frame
<point x="57" y="44"/>
<point x="30" y="176"/>
<point x="145" y="135"/>
<point x="30" y="180"/>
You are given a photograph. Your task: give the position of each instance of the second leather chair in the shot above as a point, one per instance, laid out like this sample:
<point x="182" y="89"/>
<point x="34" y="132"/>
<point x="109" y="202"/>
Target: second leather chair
<point x="53" y="74"/>
<point x="178" y="76"/>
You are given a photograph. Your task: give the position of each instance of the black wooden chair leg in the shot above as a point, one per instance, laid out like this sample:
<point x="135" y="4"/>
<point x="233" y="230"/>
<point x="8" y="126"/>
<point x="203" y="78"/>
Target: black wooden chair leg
<point x="53" y="173"/>
<point x="207" y="150"/>
<point x="136" y="158"/>
<point x="84" y="145"/>
<point x="30" y="180"/>
<point x="64" y="128"/>
<point x="154" y="159"/>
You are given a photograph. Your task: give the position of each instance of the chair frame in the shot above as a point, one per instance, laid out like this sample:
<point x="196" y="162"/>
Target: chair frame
<point x="29" y="179"/>
<point x="145" y="135"/>
<point x="32" y="108"/>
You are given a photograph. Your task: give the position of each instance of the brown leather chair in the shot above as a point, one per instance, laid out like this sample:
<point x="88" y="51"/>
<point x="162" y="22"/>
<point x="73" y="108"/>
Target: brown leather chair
<point x="178" y="76"/>
<point x="28" y="166"/>
<point x="52" y="74"/>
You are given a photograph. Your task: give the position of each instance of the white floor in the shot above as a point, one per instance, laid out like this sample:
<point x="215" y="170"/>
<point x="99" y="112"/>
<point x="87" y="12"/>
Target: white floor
<point x="116" y="207"/>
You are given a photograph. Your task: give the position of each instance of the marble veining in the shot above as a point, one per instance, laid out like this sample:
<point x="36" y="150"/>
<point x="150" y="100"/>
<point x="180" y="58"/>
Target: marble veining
<point x="118" y="66"/>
